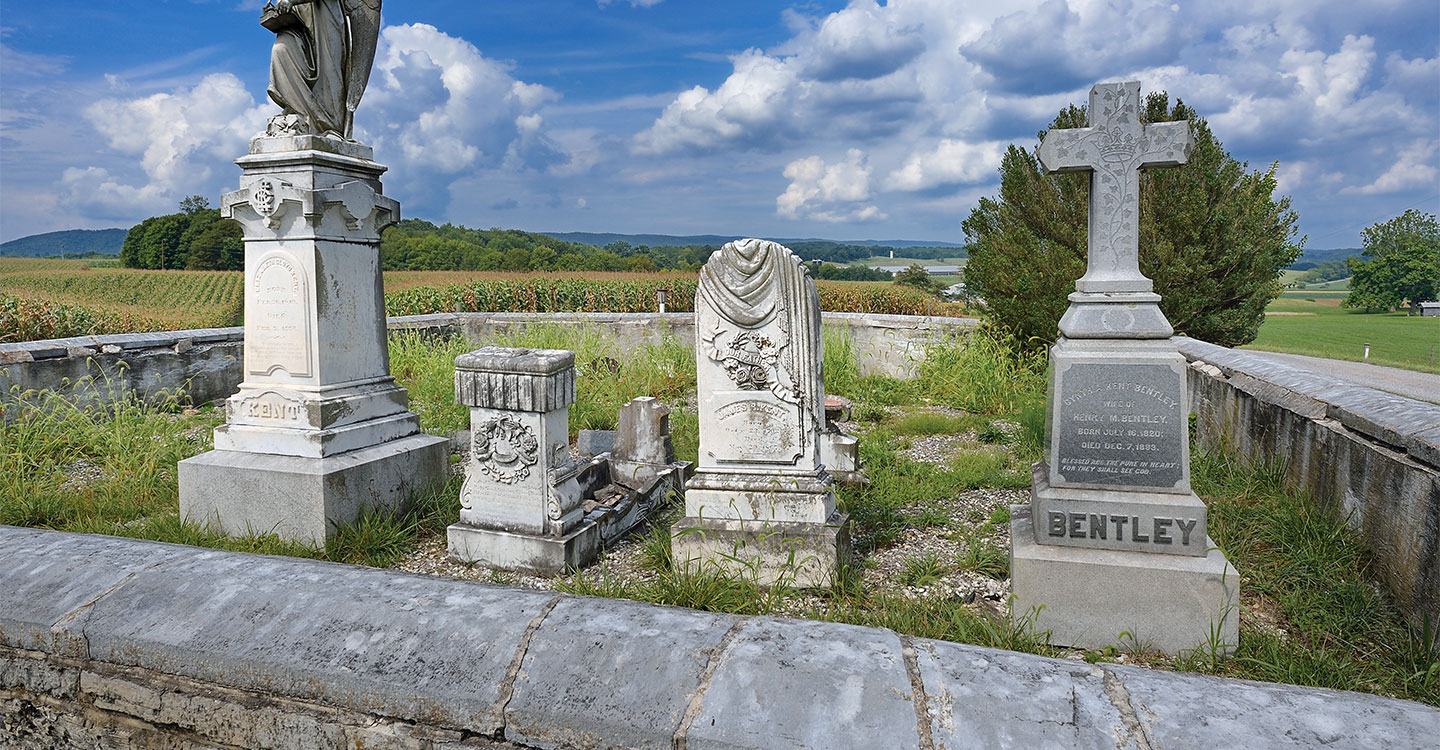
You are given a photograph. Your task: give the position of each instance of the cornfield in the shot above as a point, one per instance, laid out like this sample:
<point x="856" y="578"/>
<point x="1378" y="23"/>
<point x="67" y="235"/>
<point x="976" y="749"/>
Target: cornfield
<point x="120" y="300"/>
<point x="31" y="319"/>
<point x="630" y="295"/>
<point x="53" y="299"/>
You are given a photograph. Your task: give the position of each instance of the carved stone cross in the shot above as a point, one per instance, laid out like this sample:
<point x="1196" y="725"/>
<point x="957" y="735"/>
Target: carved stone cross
<point x="1114" y="149"/>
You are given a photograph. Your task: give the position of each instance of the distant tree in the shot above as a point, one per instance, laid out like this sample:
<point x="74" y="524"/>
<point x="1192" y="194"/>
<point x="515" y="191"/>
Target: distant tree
<point x="916" y="276"/>
<point x="1330" y="270"/>
<point x="516" y="259"/>
<point x="850" y="273"/>
<point x="192" y="204"/>
<point x="1212" y="236"/>
<point x="1401" y="263"/>
<point x="639" y="263"/>
<point x="219" y="247"/>
<point x="542" y="258"/>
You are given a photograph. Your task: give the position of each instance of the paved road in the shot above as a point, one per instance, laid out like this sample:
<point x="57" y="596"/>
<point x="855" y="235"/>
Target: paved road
<point x="1409" y="383"/>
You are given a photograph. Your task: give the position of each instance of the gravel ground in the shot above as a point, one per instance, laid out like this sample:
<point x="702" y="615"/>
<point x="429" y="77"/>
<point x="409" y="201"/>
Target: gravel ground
<point x="939" y="540"/>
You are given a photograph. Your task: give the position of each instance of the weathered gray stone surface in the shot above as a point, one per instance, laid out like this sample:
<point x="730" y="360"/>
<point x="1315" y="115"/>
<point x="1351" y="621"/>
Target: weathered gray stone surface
<point x="594" y="442"/>
<point x="1369" y="457"/>
<point x="803" y="684"/>
<point x="984" y="698"/>
<point x="1118" y="520"/>
<point x="1094" y="598"/>
<point x="49" y="577"/>
<point x="240" y="493"/>
<point x="499" y="377"/>
<point x="197" y="648"/>
<point x="593" y="661"/>
<point x="201" y="364"/>
<point x="356" y="638"/>
<point x="801" y="554"/>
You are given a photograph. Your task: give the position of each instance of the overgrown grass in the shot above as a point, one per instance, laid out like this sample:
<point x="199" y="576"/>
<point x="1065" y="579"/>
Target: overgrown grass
<point x="112" y="470"/>
<point x="982" y="371"/>
<point x="1314" y="612"/>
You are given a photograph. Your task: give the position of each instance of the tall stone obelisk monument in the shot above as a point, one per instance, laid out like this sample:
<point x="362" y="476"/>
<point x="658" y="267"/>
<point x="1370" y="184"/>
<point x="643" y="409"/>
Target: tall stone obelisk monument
<point x="1113" y="547"/>
<point x="319" y="431"/>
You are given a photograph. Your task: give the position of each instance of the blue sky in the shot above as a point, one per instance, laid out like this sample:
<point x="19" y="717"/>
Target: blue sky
<point x="814" y="118"/>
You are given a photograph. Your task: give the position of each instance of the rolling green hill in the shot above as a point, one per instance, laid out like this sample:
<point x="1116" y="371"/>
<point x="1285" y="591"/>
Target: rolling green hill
<point x="69" y="242"/>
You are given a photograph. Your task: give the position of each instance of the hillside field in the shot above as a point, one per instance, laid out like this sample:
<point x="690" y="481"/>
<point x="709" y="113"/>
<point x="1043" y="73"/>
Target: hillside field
<point x="45" y="298"/>
<point x="1315" y="324"/>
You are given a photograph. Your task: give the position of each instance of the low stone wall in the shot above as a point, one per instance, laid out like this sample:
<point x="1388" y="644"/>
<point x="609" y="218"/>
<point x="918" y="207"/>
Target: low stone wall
<point x="206" y="363"/>
<point x="110" y="642"/>
<point x="883" y="344"/>
<point x="1370" y="457"/>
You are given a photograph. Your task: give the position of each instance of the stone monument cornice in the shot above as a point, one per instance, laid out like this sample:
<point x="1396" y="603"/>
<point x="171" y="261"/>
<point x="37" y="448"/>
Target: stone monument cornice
<point x="352" y="211"/>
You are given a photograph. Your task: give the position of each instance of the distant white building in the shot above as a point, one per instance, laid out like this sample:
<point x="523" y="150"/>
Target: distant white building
<point x="932" y="270"/>
<point x="1430" y="309"/>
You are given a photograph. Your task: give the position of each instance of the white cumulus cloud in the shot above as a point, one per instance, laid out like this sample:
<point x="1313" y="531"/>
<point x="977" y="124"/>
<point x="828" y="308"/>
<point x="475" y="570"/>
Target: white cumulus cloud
<point x="436" y="104"/>
<point x="828" y="192"/>
<point x="1414" y="167"/>
<point x="950" y="162"/>
<point x="180" y="138"/>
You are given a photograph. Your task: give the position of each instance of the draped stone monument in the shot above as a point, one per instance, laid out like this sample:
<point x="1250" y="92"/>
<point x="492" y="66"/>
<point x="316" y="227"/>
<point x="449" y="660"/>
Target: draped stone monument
<point x="319" y="431"/>
<point x="761" y="502"/>
<point x="1114" y="541"/>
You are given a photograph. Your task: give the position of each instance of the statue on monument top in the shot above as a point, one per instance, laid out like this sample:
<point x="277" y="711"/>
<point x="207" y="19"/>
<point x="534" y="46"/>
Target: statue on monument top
<point x="320" y="63"/>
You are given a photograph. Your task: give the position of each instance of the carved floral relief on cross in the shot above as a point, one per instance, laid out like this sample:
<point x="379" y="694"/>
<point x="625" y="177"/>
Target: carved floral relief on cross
<point x="1114" y="149"/>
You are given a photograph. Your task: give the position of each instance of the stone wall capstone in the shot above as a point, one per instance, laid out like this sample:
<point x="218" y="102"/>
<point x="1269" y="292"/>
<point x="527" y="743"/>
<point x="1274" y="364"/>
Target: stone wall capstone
<point x="111" y="642"/>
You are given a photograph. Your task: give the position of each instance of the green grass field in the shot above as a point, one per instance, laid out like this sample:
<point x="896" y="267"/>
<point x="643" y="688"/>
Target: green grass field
<point x="1314" y="323"/>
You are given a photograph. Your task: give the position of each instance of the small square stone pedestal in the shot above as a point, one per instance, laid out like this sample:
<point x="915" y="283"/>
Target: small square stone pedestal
<point x="521" y="506"/>
<point x="319" y="432"/>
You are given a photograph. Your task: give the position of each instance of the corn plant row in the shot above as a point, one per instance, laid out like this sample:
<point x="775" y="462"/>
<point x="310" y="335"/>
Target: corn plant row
<point x="541" y="294"/>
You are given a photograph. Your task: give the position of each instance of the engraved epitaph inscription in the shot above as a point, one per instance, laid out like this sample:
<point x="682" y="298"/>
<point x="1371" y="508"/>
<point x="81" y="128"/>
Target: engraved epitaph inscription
<point x="277" y="317"/>
<point x="751" y="427"/>
<point x="1120" y="425"/>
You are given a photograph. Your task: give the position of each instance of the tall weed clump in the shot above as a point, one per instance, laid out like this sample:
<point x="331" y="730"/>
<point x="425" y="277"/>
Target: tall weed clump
<point x="983" y="371"/>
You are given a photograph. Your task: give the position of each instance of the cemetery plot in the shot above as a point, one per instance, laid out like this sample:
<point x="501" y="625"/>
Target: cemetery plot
<point x="931" y="528"/>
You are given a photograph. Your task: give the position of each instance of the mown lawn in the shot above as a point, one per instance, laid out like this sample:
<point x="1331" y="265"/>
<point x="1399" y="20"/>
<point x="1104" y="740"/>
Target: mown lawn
<point x="1315" y="324"/>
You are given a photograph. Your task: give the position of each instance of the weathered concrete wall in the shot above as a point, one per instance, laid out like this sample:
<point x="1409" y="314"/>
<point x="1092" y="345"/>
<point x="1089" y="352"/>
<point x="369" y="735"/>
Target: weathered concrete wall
<point x="109" y="642"/>
<point x="1371" y="458"/>
<point x="206" y="363"/>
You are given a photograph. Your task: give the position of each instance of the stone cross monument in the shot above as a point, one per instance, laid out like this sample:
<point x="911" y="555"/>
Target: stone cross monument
<point x="1114" y="541"/>
<point x="761" y="502"/>
<point x="319" y="431"/>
